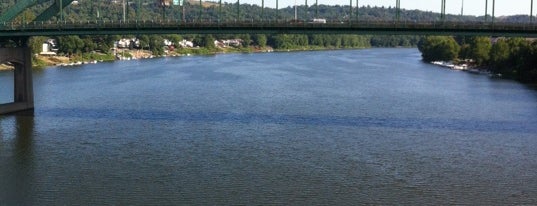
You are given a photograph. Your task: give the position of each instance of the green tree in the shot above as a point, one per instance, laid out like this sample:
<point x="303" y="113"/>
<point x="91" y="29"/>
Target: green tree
<point x="208" y="42"/>
<point x="499" y="54"/>
<point x="260" y="40"/>
<point x="479" y="49"/>
<point x="175" y="38"/>
<point x="144" y="41"/>
<point x="89" y="44"/>
<point x="36" y="44"/>
<point x="439" y="48"/>
<point x="70" y="45"/>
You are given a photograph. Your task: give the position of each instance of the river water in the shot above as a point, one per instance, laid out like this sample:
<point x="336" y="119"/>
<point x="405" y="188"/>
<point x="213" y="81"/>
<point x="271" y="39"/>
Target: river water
<point x="373" y="126"/>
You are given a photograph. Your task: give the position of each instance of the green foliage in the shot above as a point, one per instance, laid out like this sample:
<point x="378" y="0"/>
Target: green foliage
<point x="438" y="48"/>
<point x="70" y="45"/>
<point x="93" y="56"/>
<point x="394" y="41"/>
<point x="479" y="49"/>
<point x="260" y="40"/>
<point x="155" y="44"/>
<point x="38" y="63"/>
<point x="499" y="54"/>
<point x="36" y="44"/>
<point x="208" y="42"/>
<point x="296" y="41"/>
<point x="513" y="58"/>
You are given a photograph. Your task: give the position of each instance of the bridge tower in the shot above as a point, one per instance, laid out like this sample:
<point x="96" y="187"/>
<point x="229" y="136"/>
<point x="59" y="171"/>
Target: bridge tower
<point x="20" y="57"/>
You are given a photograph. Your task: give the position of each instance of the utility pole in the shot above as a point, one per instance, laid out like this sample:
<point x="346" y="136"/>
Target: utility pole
<point x="201" y="11"/>
<point x="262" y="9"/>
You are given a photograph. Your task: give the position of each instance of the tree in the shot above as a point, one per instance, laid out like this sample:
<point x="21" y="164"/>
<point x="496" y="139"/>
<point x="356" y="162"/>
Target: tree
<point x="144" y="41"/>
<point x="70" y="45"/>
<point x="439" y="48"/>
<point x="208" y="42"/>
<point x="175" y="38"/>
<point x="89" y="44"/>
<point x="479" y="49"/>
<point x="261" y="40"/>
<point x="499" y="54"/>
<point x="36" y="44"/>
<point x="156" y="44"/>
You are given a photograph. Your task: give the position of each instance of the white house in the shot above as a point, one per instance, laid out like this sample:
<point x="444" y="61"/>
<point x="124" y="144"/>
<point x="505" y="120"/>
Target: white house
<point x="49" y="47"/>
<point x="186" y="44"/>
<point x="126" y="43"/>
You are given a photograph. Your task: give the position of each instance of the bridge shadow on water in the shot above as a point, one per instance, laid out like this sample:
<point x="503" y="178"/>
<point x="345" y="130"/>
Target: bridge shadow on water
<point x="16" y="187"/>
<point x="473" y="125"/>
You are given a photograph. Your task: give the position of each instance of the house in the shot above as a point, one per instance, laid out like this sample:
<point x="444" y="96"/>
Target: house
<point x="219" y="44"/>
<point x="49" y="47"/>
<point x="186" y="44"/>
<point x="168" y="42"/>
<point x="128" y="43"/>
<point x="233" y="42"/>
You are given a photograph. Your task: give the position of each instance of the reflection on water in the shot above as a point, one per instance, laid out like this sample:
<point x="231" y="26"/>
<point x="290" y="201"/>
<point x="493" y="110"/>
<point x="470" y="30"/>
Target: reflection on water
<point x="19" y="179"/>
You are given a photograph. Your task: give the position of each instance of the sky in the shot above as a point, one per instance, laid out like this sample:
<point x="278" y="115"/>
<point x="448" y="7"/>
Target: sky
<point x="471" y="7"/>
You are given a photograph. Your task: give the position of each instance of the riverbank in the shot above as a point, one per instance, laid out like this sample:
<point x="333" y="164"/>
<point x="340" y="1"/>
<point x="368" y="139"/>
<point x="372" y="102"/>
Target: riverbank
<point x="40" y="61"/>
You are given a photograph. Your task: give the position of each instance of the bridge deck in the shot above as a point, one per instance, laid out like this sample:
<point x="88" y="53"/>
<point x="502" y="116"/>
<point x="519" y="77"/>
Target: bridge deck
<point x="354" y="27"/>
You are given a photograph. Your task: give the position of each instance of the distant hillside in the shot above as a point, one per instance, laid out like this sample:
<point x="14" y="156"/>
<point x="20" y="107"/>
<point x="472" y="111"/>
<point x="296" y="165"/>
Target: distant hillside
<point x="108" y="10"/>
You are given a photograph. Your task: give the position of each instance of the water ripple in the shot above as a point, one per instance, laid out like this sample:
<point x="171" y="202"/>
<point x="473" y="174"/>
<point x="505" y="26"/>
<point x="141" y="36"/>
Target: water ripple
<point x="312" y="120"/>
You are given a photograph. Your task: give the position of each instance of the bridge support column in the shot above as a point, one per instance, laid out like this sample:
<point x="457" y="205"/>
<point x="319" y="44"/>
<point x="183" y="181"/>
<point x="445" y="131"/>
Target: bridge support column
<point x="23" y="85"/>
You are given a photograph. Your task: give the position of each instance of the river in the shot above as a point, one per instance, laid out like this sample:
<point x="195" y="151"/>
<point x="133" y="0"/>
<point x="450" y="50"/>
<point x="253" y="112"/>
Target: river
<point x="352" y="127"/>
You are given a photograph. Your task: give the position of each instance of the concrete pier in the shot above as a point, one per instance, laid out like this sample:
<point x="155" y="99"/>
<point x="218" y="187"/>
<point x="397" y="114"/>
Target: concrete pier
<point x="21" y="58"/>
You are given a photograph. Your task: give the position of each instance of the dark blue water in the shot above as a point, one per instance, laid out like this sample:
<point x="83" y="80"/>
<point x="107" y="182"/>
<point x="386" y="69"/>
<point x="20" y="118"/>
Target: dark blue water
<point x="373" y="126"/>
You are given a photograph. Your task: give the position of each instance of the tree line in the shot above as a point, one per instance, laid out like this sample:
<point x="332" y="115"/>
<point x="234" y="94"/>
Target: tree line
<point x="512" y="57"/>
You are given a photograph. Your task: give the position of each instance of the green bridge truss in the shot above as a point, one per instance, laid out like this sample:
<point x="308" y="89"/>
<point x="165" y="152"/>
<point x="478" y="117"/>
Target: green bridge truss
<point x="42" y="26"/>
<point x="21" y="5"/>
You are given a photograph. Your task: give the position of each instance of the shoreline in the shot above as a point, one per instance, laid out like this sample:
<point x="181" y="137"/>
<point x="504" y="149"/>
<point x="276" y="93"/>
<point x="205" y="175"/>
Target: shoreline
<point x="46" y="62"/>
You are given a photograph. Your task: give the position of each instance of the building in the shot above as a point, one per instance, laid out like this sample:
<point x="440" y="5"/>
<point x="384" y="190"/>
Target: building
<point x="50" y="47"/>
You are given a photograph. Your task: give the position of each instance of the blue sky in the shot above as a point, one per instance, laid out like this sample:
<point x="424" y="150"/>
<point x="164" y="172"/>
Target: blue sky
<point x="471" y="7"/>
